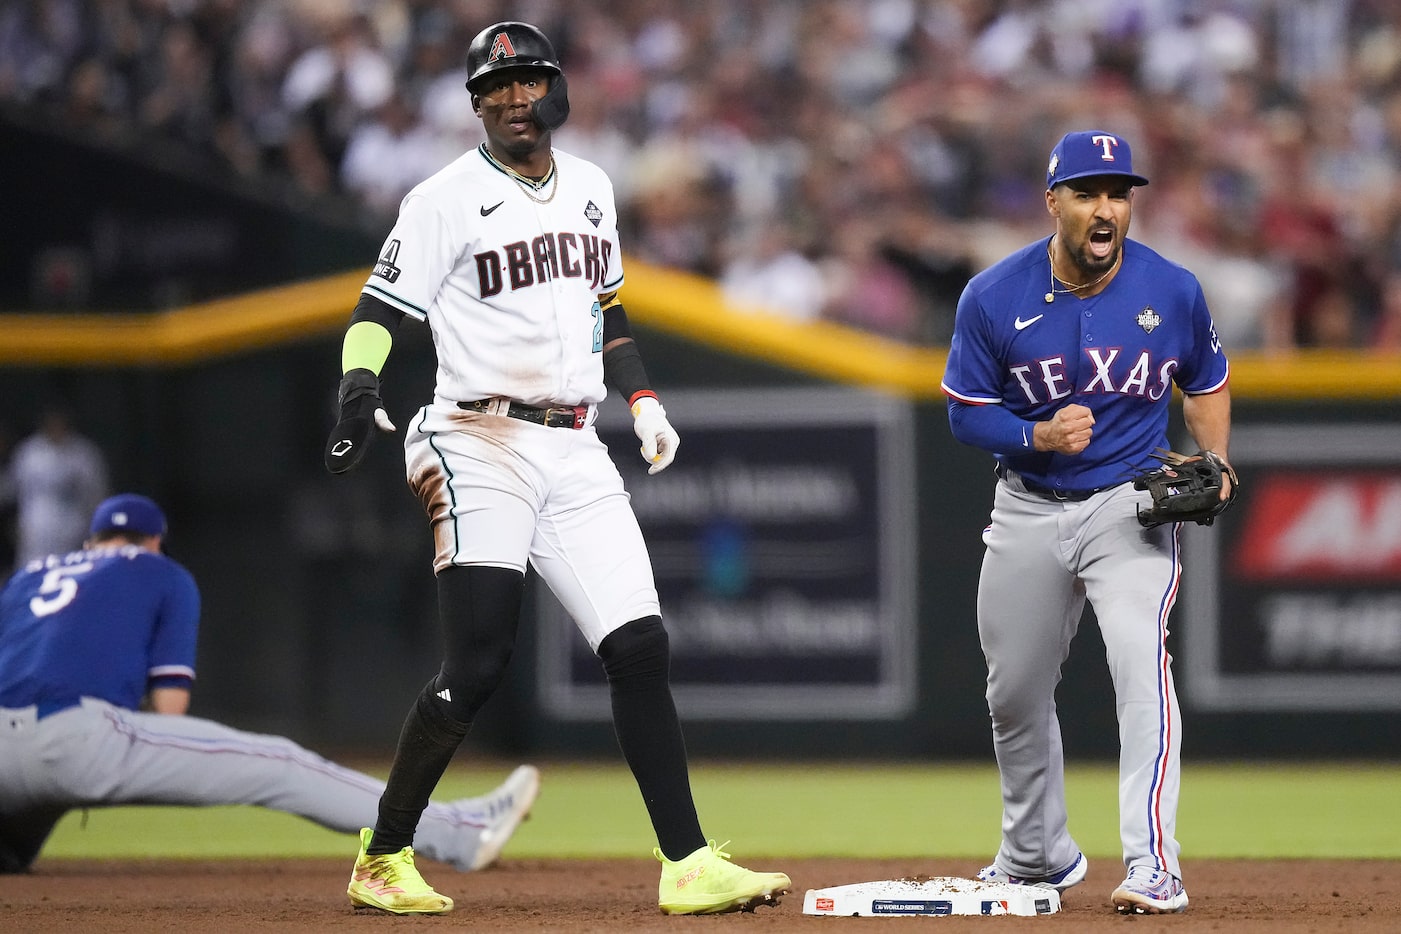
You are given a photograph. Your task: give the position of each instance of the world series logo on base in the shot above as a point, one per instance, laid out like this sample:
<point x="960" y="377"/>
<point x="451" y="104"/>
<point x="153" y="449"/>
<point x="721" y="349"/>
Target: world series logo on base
<point x="943" y="895"/>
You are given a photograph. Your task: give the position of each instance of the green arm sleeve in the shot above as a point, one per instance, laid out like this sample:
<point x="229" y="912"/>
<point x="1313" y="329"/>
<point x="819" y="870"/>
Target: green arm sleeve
<point x="366" y="347"/>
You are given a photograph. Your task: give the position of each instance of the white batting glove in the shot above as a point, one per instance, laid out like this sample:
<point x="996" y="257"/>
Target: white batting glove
<point x="659" y="439"/>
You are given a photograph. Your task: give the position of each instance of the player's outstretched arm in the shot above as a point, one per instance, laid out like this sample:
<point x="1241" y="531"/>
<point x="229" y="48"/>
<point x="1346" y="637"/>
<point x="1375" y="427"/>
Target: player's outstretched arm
<point x="367" y="343"/>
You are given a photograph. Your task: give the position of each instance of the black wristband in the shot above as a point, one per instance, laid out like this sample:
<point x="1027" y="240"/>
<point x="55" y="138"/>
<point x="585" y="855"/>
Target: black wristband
<point x="623" y="370"/>
<point x="358" y="384"/>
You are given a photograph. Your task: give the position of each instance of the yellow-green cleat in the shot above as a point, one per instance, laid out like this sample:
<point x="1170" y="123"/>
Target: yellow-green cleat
<point x="706" y="882"/>
<point x="392" y="883"/>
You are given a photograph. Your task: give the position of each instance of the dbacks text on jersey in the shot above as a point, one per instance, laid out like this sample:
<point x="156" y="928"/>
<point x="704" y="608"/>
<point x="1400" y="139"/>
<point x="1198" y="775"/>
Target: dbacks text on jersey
<point x="547" y="257"/>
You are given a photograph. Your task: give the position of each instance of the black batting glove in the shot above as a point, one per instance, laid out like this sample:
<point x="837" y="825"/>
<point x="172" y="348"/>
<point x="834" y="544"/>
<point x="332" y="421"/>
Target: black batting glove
<point x="361" y="411"/>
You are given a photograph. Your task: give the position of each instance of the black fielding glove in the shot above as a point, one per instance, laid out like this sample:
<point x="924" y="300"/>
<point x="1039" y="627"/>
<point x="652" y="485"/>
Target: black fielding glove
<point x="362" y="410"/>
<point x="1186" y="488"/>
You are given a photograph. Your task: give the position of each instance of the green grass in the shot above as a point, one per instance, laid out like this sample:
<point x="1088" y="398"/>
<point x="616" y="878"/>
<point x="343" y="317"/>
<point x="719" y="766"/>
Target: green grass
<point x="1256" y="810"/>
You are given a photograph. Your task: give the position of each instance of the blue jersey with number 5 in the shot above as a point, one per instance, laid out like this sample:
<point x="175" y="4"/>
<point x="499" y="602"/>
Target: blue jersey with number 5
<point x="100" y="623"/>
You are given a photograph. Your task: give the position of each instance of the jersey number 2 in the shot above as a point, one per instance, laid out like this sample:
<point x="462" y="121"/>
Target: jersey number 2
<point x="597" y="328"/>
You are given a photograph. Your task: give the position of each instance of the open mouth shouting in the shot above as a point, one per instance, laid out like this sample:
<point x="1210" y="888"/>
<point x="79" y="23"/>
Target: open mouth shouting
<point x="1100" y="245"/>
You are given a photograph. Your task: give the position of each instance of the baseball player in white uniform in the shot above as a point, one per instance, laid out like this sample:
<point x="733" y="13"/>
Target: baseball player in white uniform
<point x="511" y="256"/>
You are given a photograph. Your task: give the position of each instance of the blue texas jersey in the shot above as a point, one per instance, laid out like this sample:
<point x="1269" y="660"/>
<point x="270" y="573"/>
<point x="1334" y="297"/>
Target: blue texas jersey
<point x="99" y="623"/>
<point x="1117" y="353"/>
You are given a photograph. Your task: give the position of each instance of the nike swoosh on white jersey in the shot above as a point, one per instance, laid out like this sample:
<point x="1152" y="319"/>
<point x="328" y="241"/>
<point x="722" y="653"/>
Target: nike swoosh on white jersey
<point x="487" y="210"/>
<point x="1021" y="325"/>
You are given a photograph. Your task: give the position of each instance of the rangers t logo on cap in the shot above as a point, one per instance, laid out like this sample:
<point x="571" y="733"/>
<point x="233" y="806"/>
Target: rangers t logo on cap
<point x="1091" y="152"/>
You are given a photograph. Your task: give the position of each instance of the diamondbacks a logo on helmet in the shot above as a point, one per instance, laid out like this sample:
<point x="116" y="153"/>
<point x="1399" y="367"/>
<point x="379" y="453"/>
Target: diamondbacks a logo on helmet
<point x="501" y="48"/>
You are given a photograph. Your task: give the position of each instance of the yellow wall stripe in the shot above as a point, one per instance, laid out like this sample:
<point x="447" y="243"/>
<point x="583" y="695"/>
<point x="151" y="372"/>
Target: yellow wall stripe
<point x="677" y="303"/>
<point x="256" y="320"/>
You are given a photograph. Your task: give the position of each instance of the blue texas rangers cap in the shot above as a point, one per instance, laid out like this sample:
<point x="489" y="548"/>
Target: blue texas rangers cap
<point x="128" y="511"/>
<point x="1091" y="152"/>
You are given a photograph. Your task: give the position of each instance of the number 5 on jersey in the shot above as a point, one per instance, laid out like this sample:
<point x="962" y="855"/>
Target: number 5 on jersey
<point x="59" y="589"/>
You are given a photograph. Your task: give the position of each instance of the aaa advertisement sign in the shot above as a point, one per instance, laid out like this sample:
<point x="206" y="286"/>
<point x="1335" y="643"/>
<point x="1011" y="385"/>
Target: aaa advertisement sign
<point x="1293" y="600"/>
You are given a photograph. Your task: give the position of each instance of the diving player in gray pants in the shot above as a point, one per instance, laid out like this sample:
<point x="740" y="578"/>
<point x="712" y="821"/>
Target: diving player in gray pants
<point x="85" y="637"/>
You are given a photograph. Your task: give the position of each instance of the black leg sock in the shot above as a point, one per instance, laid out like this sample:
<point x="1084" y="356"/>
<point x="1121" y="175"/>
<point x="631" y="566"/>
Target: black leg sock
<point x="479" y="609"/>
<point x="426" y="746"/>
<point x="637" y="660"/>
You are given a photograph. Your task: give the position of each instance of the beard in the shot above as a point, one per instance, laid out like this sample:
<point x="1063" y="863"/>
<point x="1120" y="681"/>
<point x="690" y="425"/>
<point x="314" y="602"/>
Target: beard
<point x="1089" y="265"/>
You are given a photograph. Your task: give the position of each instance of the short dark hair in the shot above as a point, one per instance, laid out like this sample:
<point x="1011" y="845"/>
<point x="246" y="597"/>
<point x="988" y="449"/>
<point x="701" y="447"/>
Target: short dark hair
<point x="129" y="536"/>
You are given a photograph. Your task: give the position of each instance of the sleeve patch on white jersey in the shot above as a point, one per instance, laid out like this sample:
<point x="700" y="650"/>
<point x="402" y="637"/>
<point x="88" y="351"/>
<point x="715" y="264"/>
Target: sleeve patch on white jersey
<point x="385" y="268"/>
<point x="592" y="212"/>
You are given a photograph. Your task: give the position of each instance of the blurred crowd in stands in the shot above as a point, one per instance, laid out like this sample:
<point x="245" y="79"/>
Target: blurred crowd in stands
<point x="850" y="160"/>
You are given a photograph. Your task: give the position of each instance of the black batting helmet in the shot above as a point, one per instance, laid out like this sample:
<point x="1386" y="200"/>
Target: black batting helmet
<point x="520" y="45"/>
<point x="509" y="45"/>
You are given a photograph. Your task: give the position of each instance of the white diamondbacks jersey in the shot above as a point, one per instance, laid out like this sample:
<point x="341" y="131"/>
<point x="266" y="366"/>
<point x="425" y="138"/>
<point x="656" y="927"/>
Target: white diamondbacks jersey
<point x="508" y="285"/>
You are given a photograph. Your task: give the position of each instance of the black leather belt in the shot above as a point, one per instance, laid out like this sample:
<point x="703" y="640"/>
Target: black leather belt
<point x="1064" y="496"/>
<point x="555" y="416"/>
<point x="1045" y="492"/>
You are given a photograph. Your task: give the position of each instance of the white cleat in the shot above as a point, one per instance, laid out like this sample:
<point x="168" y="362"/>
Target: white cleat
<point x="498" y="813"/>
<point x="1066" y="878"/>
<point x="1149" y="891"/>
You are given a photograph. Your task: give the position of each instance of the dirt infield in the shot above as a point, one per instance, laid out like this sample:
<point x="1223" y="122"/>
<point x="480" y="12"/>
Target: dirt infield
<point x="616" y="896"/>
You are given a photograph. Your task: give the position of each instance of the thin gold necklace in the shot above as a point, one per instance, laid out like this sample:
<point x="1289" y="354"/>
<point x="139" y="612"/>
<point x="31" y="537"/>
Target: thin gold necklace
<point x="1072" y="289"/>
<point x="529" y="186"/>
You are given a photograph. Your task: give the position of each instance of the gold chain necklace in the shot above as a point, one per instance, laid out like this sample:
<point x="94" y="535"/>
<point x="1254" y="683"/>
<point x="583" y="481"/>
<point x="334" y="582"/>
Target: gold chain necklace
<point x="530" y="187"/>
<point x="1072" y="289"/>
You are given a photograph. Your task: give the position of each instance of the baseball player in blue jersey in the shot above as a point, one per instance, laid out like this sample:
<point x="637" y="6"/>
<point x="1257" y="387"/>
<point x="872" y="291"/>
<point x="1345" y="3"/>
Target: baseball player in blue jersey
<point x="1062" y="364"/>
<point x="97" y="654"/>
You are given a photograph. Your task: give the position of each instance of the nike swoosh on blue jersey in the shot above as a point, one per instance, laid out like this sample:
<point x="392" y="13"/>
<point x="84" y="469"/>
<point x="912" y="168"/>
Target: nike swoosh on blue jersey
<point x="1020" y="325"/>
